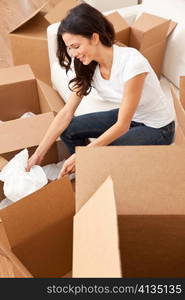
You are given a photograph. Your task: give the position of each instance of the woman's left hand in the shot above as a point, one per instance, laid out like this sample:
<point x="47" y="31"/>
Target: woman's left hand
<point x="68" y="167"/>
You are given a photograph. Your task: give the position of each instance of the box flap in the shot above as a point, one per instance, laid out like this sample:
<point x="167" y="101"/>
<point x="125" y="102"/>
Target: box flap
<point x="171" y="27"/>
<point x="60" y="10"/>
<point x="42" y="224"/>
<point x="180" y="112"/>
<point x="155" y="60"/>
<point x="146" y="179"/>
<point x="16" y="74"/>
<point x="49" y="98"/>
<point x="146" y="22"/>
<point x="118" y="21"/>
<point x="96" y="243"/>
<point x="24" y="133"/>
<point x="121" y="27"/>
<point x="182" y="91"/>
<point x="3" y="237"/>
<point x="10" y="266"/>
<point x="32" y="11"/>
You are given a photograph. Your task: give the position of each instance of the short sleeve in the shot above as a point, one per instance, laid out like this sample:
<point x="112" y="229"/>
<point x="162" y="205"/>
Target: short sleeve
<point x="136" y="64"/>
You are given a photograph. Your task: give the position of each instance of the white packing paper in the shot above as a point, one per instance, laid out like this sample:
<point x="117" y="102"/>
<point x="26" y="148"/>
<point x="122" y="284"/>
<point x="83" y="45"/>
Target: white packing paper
<point x="17" y="182"/>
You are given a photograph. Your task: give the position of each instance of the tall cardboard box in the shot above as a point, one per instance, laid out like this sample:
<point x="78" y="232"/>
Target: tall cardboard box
<point x="150" y="195"/>
<point x="29" y="38"/>
<point x="39" y="229"/>
<point x="148" y="34"/>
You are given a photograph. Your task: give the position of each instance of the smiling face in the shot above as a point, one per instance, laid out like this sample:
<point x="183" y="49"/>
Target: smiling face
<point x="80" y="47"/>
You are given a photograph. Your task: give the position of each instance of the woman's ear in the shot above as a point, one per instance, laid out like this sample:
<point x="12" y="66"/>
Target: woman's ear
<point x="95" y="38"/>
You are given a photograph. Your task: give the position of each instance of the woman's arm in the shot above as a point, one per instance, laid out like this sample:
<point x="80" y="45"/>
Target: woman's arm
<point x="132" y="93"/>
<point x="59" y="124"/>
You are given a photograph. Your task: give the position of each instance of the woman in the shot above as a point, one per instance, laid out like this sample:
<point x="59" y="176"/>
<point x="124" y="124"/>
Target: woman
<point x="119" y="74"/>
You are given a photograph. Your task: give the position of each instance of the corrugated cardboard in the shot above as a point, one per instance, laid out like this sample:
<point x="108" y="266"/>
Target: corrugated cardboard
<point x="10" y="266"/>
<point x="121" y="27"/>
<point x="96" y="244"/>
<point x="21" y="92"/>
<point x="148" y="34"/>
<point x="29" y="39"/>
<point x="150" y="193"/>
<point x="39" y="228"/>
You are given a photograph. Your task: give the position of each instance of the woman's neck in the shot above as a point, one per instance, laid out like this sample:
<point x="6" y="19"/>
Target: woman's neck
<point x="105" y="57"/>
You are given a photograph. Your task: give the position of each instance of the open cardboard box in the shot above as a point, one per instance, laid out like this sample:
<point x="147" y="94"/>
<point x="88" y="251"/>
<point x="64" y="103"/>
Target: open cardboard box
<point x="150" y="195"/>
<point x="20" y="92"/>
<point x="39" y="229"/>
<point x="148" y="34"/>
<point x="29" y="38"/>
<point x="150" y="199"/>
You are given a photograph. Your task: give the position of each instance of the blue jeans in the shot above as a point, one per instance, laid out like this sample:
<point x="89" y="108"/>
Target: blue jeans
<point x="92" y="125"/>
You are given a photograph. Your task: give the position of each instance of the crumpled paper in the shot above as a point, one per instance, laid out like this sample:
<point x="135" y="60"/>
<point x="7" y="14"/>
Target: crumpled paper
<point x="28" y="114"/>
<point x="17" y="182"/>
<point x="52" y="171"/>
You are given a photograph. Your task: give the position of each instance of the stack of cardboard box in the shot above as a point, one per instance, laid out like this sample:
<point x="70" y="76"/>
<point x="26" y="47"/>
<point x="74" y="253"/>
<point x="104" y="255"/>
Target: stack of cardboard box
<point x="128" y="216"/>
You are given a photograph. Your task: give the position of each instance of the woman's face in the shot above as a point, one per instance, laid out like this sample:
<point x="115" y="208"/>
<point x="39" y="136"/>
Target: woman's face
<point x="80" y="47"/>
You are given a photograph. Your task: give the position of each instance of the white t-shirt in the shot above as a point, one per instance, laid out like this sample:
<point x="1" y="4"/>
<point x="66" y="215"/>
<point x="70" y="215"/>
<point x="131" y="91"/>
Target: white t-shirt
<point x="154" y="109"/>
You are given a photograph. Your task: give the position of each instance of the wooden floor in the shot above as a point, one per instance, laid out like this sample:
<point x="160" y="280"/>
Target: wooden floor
<point x="11" y="13"/>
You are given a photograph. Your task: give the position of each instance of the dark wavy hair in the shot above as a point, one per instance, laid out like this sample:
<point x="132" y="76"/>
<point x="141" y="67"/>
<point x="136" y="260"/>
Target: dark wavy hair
<point x="83" y="20"/>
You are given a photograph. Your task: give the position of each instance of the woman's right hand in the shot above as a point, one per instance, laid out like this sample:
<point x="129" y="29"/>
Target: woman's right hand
<point x="35" y="159"/>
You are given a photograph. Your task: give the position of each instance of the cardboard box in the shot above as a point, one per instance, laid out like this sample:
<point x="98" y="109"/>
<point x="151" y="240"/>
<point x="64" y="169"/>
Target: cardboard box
<point x="147" y="34"/>
<point x="21" y="91"/>
<point x="39" y="228"/>
<point x="150" y="195"/>
<point x="29" y="38"/>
